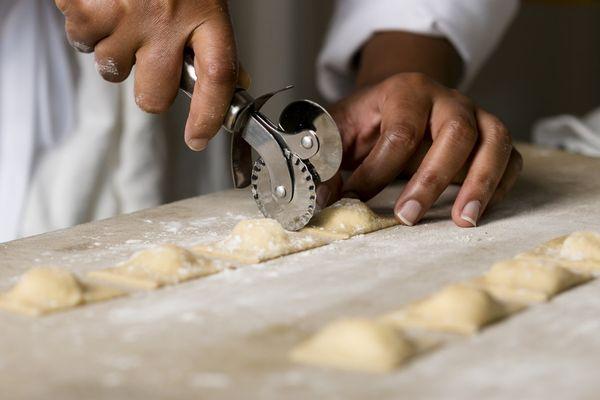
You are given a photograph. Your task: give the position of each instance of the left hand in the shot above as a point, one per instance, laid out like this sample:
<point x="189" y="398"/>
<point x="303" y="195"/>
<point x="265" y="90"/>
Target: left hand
<point x="152" y="34"/>
<point x="386" y="127"/>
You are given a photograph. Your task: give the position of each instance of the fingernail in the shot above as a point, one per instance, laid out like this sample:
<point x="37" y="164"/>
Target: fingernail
<point x="409" y="212"/>
<point x="197" y="144"/>
<point x="471" y="212"/>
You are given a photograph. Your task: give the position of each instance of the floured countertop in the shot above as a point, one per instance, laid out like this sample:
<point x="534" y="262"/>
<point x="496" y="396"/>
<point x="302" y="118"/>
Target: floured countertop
<point x="227" y="336"/>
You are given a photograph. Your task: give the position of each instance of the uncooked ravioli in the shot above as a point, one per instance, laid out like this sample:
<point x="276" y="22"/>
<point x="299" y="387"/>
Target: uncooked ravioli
<point x="163" y="265"/>
<point x="459" y="308"/>
<point x="356" y="344"/>
<point x="257" y="240"/>
<point x="542" y="278"/>
<point x="578" y="254"/>
<point x="349" y="217"/>
<point x="43" y="290"/>
<point x="584" y="246"/>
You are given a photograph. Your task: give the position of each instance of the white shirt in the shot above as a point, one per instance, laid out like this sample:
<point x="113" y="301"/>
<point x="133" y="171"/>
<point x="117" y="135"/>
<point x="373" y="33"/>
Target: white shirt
<point x="474" y="27"/>
<point x="74" y="148"/>
<point x="36" y="98"/>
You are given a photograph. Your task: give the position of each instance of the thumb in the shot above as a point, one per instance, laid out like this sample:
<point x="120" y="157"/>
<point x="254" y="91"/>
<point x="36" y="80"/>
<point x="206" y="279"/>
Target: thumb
<point x="358" y="118"/>
<point x="330" y="191"/>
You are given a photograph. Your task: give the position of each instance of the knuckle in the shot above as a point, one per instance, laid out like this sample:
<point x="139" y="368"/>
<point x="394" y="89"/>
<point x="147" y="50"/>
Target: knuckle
<point x="498" y="134"/>
<point x="78" y="9"/>
<point x="460" y="130"/>
<point x="487" y="184"/>
<point x="220" y="72"/>
<point x="62" y="5"/>
<point x="401" y="136"/>
<point x="404" y="79"/>
<point x="431" y="180"/>
<point x="70" y="6"/>
<point x="418" y="78"/>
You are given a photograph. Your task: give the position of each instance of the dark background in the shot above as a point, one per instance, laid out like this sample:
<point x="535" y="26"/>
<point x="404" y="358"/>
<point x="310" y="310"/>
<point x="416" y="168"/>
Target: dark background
<point x="547" y="64"/>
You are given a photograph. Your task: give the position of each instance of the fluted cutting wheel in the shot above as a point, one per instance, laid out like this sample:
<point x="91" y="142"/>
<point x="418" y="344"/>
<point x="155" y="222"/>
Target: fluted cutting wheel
<point x="295" y="214"/>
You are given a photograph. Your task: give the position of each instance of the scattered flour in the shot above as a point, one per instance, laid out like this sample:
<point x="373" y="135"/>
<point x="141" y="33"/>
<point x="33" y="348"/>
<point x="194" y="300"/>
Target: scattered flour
<point x="209" y="380"/>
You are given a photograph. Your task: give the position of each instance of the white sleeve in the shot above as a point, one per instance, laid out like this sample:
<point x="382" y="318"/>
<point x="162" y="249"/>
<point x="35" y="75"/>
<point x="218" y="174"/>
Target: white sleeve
<point x="474" y="27"/>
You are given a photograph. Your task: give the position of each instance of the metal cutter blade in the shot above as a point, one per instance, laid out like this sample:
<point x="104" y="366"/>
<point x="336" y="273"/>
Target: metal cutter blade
<point x="295" y="156"/>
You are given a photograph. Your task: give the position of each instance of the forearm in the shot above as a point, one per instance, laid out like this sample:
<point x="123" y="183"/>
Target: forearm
<point x="390" y="53"/>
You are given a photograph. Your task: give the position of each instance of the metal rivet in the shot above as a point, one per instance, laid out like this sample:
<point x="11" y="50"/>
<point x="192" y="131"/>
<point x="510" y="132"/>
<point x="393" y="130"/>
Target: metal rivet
<point x="307" y="142"/>
<point x="280" y="192"/>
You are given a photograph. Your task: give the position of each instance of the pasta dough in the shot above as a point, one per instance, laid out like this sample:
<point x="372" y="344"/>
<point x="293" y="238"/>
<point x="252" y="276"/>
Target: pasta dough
<point x="257" y="240"/>
<point x="459" y="308"/>
<point x="568" y="253"/>
<point x="44" y="290"/>
<point x="356" y="344"/>
<point x="582" y="246"/>
<point x="156" y="267"/>
<point x="549" y="249"/>
<point x="531" y="279"/>
<point x="349" y="217"/>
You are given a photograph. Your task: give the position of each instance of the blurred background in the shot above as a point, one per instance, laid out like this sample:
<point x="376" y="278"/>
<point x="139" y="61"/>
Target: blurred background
<point x="547" y="64"/>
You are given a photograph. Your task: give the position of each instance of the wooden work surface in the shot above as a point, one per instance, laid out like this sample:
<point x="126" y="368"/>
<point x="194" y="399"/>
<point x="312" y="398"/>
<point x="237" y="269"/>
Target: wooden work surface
<point x="227" y="336"/>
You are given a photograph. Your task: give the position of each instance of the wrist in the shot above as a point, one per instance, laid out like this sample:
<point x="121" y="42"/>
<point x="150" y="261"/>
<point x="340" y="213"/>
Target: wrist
<point x="390" y="53"/>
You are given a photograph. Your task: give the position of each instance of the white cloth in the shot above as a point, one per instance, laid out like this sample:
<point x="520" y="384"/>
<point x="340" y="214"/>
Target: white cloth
<point x="36" y="98"/>
<point x="73" y="147"/>
<point x="473" y="26"/>
<point x="567" y="132"/>
<point x="111" y="162"/>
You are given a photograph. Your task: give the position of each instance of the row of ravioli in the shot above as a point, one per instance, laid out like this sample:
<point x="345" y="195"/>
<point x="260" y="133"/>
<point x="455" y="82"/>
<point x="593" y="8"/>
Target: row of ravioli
<point x="47" y="289"/>
<point x="389" y="341"/>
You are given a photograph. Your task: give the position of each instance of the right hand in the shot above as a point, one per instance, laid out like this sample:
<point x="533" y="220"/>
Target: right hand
<point x="152" y="34"/>
<point x="411" y="125"/>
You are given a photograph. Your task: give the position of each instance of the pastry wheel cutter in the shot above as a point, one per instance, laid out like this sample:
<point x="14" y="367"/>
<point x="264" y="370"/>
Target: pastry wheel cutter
<point x="294" y="157"/>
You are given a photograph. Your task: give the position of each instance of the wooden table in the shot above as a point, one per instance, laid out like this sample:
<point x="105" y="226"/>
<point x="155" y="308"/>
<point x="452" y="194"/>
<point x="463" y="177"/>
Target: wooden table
<point x="227" y="336"/>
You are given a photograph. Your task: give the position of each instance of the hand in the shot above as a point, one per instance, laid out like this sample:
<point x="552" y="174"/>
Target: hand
<point x="386" y="128"/>
<point x="152" y="34"/>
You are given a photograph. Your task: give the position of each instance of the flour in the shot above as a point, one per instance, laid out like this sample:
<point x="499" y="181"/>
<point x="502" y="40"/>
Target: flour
<point x="112" y="379"/>
<point x="172" y="226"/>
<point x="107" y="67"/>
<point x="121" y="362"/>
<point x="213" y="380"/>
<point x="152" y="312"/>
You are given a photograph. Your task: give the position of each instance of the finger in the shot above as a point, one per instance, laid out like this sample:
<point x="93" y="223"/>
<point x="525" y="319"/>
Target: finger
<point x="115" y="56"/>
<point x="513" y="170"/>
<point x="87" y="23"/>
<point x="486" y="170"/>
<point x="216" y="67"/>
<point x="157" y="75"/>
<point x="330" y="191"/>
<point x="358" y="119"/>
<point x="403" y="124"/>
<point x="454" y="131"/>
